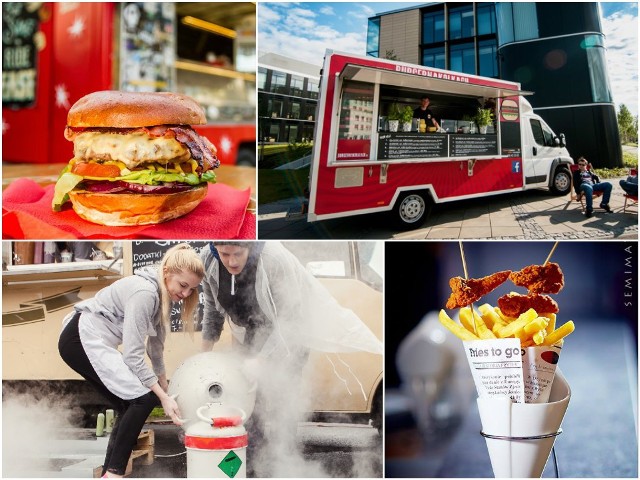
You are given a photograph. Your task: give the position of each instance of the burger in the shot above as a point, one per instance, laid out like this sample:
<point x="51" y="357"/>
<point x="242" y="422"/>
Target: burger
<point x="137" y="161"/>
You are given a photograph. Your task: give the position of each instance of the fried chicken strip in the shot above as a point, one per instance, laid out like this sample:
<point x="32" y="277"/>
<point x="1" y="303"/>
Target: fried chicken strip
<point x="539" y="278"/>
<point x="465" y="292"/>
<point x="514" y="304"/>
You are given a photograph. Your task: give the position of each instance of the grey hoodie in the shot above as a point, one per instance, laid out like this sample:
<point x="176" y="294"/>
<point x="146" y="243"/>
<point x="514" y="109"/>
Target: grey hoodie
<point x="126" y="313"/>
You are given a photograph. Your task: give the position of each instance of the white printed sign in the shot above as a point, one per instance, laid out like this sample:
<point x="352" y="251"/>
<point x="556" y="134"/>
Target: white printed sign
<point x="501" y="367"/>
<point x="496" y="366"/>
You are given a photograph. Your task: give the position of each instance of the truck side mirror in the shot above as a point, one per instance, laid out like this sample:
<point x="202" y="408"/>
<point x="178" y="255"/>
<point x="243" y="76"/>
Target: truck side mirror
<point x="560" y="141"/>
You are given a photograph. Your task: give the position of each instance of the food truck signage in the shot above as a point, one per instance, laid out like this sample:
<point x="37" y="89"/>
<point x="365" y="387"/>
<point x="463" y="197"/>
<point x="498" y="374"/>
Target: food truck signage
<point x="394" y="146"/>
<point x="411" y="145"/>
<point x="20" y="38"/>
<point x="423" y="72"/>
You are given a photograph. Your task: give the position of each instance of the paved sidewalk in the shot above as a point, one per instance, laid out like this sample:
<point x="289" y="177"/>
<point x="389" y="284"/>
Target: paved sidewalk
<point x="530" y="215"/>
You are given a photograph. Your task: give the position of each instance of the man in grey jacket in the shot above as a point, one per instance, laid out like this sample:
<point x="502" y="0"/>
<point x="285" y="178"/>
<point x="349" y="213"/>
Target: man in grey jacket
<point x="276" y="311"/>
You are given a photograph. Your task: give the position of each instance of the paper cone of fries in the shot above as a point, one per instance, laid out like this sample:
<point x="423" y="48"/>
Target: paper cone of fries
<point x="509" y="427"/>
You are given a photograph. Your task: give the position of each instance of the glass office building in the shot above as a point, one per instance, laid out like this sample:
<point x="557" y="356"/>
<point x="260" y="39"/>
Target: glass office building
<point x="287" y="99"/>
<point x="555" y="50"/>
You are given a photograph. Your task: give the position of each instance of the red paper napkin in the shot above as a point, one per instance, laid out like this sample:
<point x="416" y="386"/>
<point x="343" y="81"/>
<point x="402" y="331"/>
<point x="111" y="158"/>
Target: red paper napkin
<point x="27" y="214"/>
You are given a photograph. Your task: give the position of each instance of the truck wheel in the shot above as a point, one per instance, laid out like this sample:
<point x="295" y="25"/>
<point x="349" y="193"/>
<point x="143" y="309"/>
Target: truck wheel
<point x="561" y="183"/>
<point x="411" y="210"/>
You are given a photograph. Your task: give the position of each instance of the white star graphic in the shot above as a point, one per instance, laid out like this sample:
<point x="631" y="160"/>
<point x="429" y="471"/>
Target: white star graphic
<point x="5" y="126"/>
<point x="77" y="28"/>
<point x="225" y="144"/>
<point x="62" y="96"/>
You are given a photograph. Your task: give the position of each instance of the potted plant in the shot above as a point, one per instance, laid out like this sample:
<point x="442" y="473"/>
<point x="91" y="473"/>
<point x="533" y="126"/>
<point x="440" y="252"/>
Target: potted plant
<point x="484" y="118"/>
<point x="406" y="118"/>
<point x="393" y="117"/>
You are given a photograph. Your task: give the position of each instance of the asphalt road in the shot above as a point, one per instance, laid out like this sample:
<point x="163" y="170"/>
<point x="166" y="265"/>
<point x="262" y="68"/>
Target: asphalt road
<point x="327" y="450"/>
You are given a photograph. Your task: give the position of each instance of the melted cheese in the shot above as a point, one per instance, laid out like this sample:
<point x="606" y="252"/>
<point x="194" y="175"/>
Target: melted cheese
<point x="130" y="149"/>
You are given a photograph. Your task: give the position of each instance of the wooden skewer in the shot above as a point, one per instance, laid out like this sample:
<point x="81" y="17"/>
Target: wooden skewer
<point x="555" y="245"/>
<point x="464" y="262"/>
<point x="466" y="277"/>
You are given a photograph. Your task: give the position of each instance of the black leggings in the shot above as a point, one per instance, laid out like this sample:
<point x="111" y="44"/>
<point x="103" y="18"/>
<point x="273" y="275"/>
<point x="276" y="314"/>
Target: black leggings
<point x="131" y="414"/>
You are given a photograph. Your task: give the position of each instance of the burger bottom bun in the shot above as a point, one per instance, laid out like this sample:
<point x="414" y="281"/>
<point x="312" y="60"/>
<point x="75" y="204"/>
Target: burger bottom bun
<point x="121" y="209"/>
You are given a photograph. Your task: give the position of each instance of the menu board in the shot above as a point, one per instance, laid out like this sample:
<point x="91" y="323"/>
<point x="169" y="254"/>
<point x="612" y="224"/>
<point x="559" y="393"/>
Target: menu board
<point x="465" y="145"/>
<point x="21" y="41"/>
<point x="411" y="145"/>
<point x="145" y="253"/>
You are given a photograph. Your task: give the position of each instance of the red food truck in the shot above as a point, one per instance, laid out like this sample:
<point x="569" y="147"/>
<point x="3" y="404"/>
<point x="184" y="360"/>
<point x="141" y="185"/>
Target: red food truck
<point x="362" y="163"/>
<point x="55" y="53"/>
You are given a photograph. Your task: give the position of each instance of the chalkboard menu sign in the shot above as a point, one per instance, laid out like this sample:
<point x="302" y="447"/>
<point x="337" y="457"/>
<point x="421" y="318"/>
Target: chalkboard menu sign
<point x="145" y="253"/>
<point x="20" y="41"/>
<point x="465" y="145"/>
<point x="411" y="145"/>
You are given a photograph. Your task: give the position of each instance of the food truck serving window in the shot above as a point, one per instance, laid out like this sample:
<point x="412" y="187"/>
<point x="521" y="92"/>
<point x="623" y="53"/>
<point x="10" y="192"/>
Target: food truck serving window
<point x="356" y="121"/>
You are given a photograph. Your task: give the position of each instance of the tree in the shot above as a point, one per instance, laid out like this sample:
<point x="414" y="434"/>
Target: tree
<point x="626" y="124"/>
<point x="390" y="55"/>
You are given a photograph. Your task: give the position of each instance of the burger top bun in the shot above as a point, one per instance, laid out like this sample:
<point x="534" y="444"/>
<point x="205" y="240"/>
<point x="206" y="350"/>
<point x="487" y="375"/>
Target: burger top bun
<point x="116" y="109"/>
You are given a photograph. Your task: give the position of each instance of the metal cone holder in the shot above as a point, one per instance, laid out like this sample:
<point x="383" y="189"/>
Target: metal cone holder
<point x="520" y="436"/>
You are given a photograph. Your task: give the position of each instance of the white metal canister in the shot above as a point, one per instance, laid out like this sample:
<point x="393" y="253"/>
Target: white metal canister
<point x="217" y="444"/>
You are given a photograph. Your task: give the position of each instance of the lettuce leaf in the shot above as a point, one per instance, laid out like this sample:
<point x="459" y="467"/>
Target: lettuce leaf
<point x="68" y="181"/>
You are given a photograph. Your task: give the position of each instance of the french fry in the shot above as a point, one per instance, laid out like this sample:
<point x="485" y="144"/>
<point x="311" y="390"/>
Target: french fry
<point x="480" y="329"/>
<point x="536" y="325"/>
<point x="465" y="319"/>
<point x="507" y="319"/>
<point x="559" y="333"/>
<point x="538" y="337"/>
<point x="455" y="328"/>
<point x="552" y="322"/>
<point x="491" y="318"/>
<point x="513" y="327"/>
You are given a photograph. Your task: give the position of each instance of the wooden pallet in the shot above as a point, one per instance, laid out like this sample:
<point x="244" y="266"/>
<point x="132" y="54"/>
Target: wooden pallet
<point x="142" y="454"/>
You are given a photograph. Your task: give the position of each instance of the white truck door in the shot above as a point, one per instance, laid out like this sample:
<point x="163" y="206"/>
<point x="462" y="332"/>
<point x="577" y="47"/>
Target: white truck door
<point x="539" y="150"/>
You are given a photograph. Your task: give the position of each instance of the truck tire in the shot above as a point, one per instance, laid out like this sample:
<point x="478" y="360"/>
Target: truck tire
<point x="561" y="183"/>
<point x="411" y="210"/>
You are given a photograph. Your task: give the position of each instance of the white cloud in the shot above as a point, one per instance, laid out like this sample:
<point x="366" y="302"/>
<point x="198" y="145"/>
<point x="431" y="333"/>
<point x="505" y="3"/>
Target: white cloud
<point x="621" y="30"/>
<point x="327" y="10"/>
<point x="296" y="33"/>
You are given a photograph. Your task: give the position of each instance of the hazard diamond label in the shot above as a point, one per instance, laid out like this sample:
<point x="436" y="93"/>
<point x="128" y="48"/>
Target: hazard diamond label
<point x="230" y="464"/>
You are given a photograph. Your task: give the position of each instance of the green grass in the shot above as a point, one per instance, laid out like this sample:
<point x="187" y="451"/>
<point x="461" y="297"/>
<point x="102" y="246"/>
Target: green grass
<point x="274" y="185"/>
<point x="271" y="156"/>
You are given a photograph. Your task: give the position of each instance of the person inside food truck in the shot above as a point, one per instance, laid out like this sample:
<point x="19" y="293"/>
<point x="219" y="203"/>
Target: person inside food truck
<point x="585" y="182"/>
<point x="277" y="311"/>
<point x="133" y="312"/>
<point x="423" y="112"/>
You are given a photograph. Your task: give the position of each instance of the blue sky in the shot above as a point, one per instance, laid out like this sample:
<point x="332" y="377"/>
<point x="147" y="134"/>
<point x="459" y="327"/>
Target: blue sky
<point x="304" y="30"/>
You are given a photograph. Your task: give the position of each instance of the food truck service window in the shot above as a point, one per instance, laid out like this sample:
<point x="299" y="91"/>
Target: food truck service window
<point x="356" y="121"/>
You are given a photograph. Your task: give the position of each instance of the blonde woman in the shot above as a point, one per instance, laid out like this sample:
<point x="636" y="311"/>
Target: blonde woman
<point x="130" y="312"/>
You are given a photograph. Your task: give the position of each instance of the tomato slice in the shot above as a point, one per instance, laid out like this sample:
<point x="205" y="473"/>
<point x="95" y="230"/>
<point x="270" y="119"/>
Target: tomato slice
<point x="96" y="170"/>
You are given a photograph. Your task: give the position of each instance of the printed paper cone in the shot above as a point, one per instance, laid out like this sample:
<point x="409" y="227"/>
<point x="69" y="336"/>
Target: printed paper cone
<point x="502" y="418"/>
